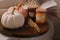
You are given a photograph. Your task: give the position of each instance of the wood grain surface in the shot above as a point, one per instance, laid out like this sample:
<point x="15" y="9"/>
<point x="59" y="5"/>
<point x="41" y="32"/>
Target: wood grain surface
<point x="25" y="31"/>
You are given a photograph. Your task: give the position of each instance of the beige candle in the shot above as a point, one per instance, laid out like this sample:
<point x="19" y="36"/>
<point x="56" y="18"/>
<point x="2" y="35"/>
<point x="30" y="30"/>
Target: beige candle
<point x="40" y="16"/>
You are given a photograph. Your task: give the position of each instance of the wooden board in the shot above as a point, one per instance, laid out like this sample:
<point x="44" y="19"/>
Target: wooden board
<point x="23" y="32"/>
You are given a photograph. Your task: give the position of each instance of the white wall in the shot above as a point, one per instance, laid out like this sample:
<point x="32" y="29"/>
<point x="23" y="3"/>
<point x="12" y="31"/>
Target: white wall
<point x="8" y="3"/>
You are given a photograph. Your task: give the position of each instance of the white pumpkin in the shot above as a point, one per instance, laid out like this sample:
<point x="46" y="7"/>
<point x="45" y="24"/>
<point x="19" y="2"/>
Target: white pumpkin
<point x="12" y="21"/>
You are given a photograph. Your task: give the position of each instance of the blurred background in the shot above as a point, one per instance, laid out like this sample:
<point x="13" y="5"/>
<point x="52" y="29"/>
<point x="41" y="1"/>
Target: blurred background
<point x="57" y="22"/>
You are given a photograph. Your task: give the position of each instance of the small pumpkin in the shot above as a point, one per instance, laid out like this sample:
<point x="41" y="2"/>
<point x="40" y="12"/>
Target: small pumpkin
<point x="23" y="10"/>
<point x="12" y="19"/>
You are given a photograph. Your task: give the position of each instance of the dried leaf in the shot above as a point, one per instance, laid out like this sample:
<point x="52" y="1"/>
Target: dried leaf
<point x="34" y="25"/>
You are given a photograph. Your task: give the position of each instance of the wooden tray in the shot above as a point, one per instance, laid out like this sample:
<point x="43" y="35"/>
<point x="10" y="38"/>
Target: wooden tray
<point x="24" y="32"/>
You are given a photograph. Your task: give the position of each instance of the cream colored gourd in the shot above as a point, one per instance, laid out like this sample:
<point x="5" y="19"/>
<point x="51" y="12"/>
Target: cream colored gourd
<point x="12" y="20"/>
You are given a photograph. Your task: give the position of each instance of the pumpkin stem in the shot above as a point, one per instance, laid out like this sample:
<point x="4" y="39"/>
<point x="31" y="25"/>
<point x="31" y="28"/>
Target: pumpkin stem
<point x="19" y="5"/>
<point x="13" y="11"/>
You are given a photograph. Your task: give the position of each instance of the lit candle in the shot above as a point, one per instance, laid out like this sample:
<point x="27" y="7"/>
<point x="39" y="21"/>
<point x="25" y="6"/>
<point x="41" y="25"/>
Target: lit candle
<point x="40" y="16"/>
